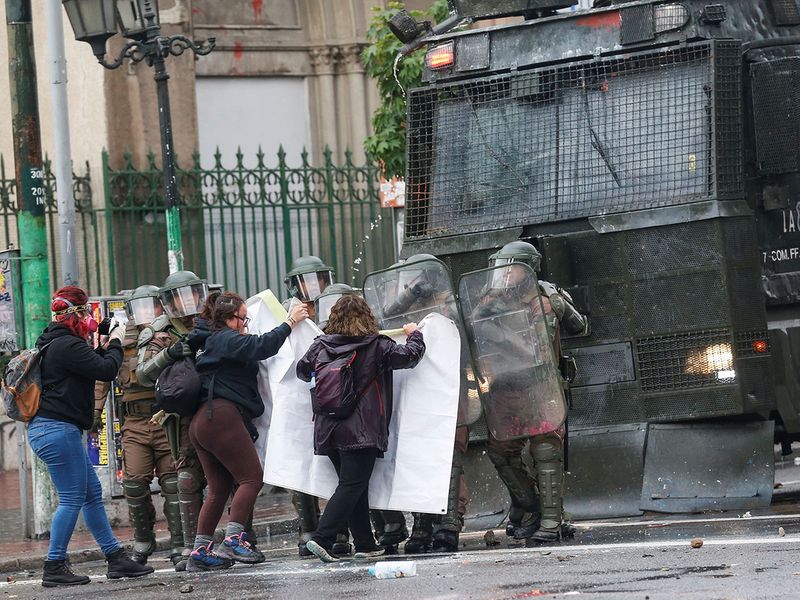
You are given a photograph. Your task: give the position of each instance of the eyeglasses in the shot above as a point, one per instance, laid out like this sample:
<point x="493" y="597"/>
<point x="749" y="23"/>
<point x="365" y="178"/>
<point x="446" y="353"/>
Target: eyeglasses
<point x="245" y="320"/>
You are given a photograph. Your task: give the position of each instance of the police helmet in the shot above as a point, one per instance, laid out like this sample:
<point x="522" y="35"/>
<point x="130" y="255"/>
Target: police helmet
<point x="517" y="251"/>
<point x="428" y="271"/>
<point x="144" y="305"/>
<point x="325" y="301"/>
<point x="183" y="294"/>
<point x="308" y="277"/>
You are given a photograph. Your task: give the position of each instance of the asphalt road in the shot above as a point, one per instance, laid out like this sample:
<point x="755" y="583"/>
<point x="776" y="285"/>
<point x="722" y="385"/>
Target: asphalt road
<point x="742" y="556"/>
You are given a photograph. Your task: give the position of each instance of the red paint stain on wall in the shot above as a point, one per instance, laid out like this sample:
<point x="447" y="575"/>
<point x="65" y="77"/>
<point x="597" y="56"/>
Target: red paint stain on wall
<point x="238" y="50"/>
<point x="197" y="11"/>
<point x="606" y="20"/>
<point x="257" y="6"/>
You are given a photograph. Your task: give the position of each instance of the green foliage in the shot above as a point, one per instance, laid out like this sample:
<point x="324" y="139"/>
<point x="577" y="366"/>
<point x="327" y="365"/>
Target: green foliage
<point x="388" y="144"/>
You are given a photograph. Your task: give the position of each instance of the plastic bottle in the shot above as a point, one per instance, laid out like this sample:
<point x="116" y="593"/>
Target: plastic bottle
<point x="393" y="569"/>
<point x="313" y="383"/>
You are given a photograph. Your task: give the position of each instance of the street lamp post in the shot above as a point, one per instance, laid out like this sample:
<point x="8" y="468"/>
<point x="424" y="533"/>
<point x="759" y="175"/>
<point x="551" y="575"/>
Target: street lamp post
<point x="94" y="22"/>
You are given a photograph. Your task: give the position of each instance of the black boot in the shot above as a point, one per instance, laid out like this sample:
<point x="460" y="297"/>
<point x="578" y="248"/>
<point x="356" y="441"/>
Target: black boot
<point x="57" y="572"/>
<point x="121" y="565"/>
<point x="445" y="541"/>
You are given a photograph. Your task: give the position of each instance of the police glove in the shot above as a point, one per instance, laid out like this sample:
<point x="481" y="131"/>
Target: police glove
<point x="97" y="423"/>
<point x="179" y="350"/>
<point x="117" y="332"/>
<point x="105" y="326"/>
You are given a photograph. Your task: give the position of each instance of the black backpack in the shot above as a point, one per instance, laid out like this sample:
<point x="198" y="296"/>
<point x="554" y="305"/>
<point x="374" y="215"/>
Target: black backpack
<point x="178" y="388"/>
<point x="333" y="394"/>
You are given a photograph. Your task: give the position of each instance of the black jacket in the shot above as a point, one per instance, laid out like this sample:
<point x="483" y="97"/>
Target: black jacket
<point x="70" y="368"/>
<point x="232" y="359"/>
<point x="376" y="357"/>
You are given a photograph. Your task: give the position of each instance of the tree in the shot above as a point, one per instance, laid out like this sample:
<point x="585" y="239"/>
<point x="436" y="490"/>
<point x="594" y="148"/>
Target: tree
<point x="387" y="145"/>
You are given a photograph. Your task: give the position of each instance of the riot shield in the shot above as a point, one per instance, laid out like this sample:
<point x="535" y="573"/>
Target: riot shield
<point x="512" y="351"/>
<point x="407" y="293"/>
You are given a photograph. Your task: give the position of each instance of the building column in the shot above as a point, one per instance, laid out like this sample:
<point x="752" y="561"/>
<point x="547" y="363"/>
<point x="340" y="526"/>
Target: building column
<point x="354" y="70"/>
<point x="323" y="63"/>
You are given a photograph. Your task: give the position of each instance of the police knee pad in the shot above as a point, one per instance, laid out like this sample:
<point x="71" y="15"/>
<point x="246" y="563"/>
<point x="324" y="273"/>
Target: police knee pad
<point x="168" y="483"/>
<point x="546" y="451"/>
<point x="135" y="489"/>
<point x="189" y="481"/>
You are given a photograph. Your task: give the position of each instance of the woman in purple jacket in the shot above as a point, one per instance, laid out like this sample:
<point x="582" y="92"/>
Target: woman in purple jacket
<point x="353" y="443"/>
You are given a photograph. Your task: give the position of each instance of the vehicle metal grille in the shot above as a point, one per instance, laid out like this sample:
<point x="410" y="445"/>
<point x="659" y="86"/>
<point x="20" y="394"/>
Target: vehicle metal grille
<point x="646" y="130"/>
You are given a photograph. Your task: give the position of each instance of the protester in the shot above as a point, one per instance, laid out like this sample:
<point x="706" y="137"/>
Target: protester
<point x="355" y="442"/>
<point x="69" y="369"/>
<point x="222" y="430"/>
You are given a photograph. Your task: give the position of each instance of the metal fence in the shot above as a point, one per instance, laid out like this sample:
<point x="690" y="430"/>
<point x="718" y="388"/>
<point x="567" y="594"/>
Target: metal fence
<point x="242" y="222"/>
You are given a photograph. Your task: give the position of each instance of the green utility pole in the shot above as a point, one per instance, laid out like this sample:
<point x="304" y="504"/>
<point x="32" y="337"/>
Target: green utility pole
<point x="31" y="208"/>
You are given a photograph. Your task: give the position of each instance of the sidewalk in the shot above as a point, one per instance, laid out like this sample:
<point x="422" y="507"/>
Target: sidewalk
<point x="273" y="515"/>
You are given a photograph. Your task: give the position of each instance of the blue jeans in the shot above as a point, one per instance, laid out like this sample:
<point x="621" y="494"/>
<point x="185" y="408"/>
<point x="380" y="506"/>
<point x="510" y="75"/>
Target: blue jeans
<point x="60" y="446"/>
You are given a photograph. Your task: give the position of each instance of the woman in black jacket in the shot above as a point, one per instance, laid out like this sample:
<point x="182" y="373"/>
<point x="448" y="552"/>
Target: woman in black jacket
<point x="69" y="369"/>
<point x="222" y="430"/>
<point x="354" y="443"/>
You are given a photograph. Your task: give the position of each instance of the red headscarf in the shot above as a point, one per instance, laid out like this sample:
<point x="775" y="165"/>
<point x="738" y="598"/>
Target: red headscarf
<point x="67" y="303"/>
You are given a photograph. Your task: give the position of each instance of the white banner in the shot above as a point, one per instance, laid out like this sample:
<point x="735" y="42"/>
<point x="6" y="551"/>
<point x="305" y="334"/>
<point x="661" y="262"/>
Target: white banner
<point x="414" y="474"/>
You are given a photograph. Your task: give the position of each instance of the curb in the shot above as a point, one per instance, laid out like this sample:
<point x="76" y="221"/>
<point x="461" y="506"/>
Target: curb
<point x="263" y="529"/>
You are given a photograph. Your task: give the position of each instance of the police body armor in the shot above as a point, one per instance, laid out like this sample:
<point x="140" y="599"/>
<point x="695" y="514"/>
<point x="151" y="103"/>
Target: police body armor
<point x="511" y="342"/>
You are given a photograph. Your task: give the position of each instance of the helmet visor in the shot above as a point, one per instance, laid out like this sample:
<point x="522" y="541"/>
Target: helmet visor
<point x="410" y="277"/>
<point x="325" y="305"/>
<point x="499" y="262"/>
<point x="510" y="277"/>
<point x="184" y="301"/>
<point x="143" y="311"/>
<point x="310" y="285"/>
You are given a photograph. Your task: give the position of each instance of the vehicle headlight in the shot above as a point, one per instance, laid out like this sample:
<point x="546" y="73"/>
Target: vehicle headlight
<point x="714" y="359"/>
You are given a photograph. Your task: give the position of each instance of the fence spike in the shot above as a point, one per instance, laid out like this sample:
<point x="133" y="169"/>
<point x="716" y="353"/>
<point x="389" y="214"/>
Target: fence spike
<point x="151" y="161"/>
<point x="260" y="158"/>
<point x="281" y="155"/>
<point x="239" y="158"/>
<point x="217" y="159"/>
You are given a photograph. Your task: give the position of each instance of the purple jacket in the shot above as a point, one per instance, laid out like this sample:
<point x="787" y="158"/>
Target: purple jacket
<point x="376" y="357"/>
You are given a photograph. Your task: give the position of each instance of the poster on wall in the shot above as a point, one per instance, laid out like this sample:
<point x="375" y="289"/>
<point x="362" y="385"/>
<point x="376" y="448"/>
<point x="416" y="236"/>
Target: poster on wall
<point x="10" y="332"/>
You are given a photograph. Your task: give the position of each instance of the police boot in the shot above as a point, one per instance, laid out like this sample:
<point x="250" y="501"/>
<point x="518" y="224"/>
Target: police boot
<point x="524" y="513"/>
<point x="142" y="515"/>
<point x="172" y="512"/>
<point x="445" y="538"/>
<point x="548" y="461"/>
<point x="421" y="540"/>
<point x="342" y="545"/>
<point x="190" y="497"/>
<point x="390" y="529"/>
<point x="58" y="572"/>
<point x="307" y="508"/>
<point x="121" y="565"/>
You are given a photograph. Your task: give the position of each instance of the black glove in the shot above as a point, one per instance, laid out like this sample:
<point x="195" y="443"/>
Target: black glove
<point x="97" y="422"/>
<point x="105" y="326"/>
<point x="195" y="342"/>
<point x="179" y="350"/>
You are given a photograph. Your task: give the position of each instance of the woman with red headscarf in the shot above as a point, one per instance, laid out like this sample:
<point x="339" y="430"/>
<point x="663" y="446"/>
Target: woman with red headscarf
<point x="69" y="370"/>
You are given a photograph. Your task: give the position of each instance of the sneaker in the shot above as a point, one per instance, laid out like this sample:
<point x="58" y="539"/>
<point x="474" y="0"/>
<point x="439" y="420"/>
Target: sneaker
<point x="236" y="547"/>
<point x="205" y="559"/>
<point x="321" y="553"/>
<point x="370" y="553"/>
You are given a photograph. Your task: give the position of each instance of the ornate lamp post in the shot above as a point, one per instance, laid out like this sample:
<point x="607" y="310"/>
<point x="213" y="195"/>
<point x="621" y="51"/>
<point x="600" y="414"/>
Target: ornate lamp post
<point x="94" y="21"/>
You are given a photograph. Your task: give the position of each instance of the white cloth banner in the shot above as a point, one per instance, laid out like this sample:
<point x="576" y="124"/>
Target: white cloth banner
<point x="414" y="474"/>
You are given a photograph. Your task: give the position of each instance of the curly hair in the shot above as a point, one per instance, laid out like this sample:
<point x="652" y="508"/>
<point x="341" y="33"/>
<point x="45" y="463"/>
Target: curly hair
<point x="220" y="307"/>
<point x="352" y="316"/>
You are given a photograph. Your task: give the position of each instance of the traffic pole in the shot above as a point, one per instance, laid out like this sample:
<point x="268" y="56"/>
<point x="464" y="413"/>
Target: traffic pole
<point x="35" y="276"/>
<point x="62" y="153"/>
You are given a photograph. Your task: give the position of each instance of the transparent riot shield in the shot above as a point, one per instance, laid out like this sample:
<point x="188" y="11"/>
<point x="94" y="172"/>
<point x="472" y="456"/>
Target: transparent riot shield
<point x="407" y="293"/>
<point x="513" y="356"/>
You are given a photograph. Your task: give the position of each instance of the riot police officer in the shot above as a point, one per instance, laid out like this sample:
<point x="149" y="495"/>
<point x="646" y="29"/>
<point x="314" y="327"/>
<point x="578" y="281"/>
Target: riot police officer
<point x="144" y="444"/>
<point x="160" y="344"/>
<point x="536" y="499"/>
<point x="423" y="286"/>
<point x="306" y="280"/>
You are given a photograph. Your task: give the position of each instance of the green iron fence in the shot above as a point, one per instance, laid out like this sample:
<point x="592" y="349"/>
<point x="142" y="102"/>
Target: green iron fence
<point x="242" y="223"/>
<point x="86" y="221"/>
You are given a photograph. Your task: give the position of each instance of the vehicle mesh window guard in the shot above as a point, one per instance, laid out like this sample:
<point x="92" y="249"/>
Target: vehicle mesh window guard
<point x="650" y="129"/>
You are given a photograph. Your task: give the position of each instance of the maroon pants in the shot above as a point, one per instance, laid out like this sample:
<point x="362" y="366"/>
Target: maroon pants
<point x="228" y="455"/>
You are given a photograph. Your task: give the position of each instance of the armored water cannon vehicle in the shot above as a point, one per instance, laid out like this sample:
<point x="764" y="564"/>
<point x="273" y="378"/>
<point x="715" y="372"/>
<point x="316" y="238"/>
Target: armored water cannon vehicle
<point x="649" y="150"/>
